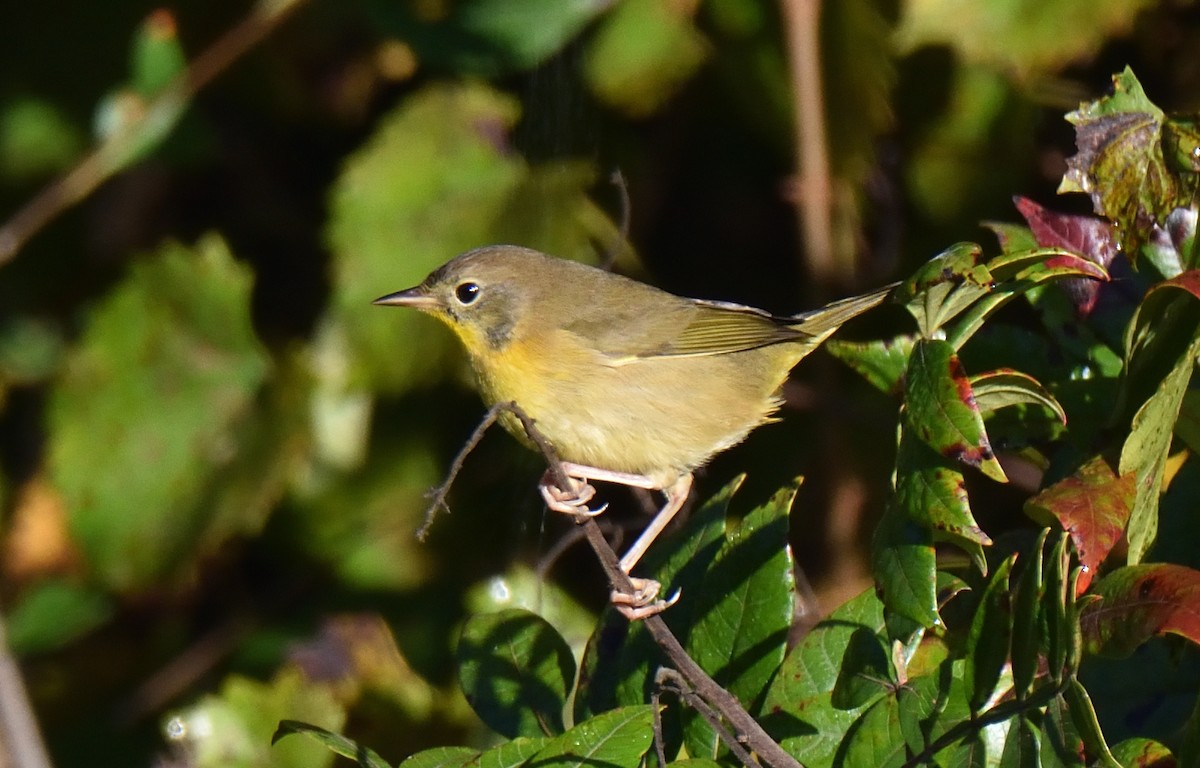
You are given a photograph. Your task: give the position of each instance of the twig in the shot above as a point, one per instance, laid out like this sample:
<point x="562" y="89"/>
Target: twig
<point x="814" y="201"/>
<point x="673" y="681"/>
<point x="20" y="741"/>
<point x="163" y="110"/>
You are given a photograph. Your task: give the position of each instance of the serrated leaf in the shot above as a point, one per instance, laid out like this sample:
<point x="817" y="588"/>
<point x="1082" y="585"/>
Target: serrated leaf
<point x="516" y="671"/>
<point x="933" y="493"/>
<point x="800" y="713"/>
<point x="334" y="742"/>
<point x="1004" y="387"/>
<point x="744" y="607"/>
<point x="1139" y="602"/>
<point x="1120" y="161"/>
<point x="940" y="408"/>
<point x="616" y="739"/>
<point x="905" y="568"/>
<point x="165" y="376"/>
<point x="989" y="638"/>
<point x="1093" y="506"/>
<point x="880" y="362"/>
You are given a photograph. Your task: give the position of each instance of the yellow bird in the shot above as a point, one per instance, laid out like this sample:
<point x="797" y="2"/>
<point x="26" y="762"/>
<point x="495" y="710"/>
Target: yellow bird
<point x="629" y="383"/>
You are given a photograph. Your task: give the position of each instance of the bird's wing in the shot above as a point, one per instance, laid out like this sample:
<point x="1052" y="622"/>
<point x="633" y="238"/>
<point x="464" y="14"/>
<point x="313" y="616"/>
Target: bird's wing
<point x="719" y="328"/>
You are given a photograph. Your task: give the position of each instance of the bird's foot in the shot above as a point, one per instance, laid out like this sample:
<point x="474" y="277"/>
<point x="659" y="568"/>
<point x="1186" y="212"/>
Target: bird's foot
<point x="643" y="601"/>
<point x="572" y="501"/>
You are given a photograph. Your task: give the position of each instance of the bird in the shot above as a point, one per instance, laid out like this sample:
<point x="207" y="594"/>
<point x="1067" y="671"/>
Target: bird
<point x="630" y="384"/>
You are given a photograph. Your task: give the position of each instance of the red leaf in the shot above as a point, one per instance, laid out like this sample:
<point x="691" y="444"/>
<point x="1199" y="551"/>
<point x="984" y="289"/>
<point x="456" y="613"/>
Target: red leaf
<point x="1091" y="505"/>
<point x="1188" y="281"/>
<point x="1091" y="237"/>
<point x="1139" y="602"/>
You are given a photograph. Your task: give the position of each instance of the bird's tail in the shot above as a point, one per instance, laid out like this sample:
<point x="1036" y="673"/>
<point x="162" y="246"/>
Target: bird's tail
<point x="820" y="323"/>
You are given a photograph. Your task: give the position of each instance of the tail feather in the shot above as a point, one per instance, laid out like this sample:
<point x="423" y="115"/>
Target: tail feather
<point x="820" y="323"/>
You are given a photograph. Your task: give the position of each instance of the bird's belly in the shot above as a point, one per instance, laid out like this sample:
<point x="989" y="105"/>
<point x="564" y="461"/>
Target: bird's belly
<point x="659" y="417"/>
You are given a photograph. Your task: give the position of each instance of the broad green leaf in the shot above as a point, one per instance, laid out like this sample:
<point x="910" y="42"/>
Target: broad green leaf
<point x="876" y="739"/>
<point x="989" y="638"/>
<point x="1139" y="602"/>
<point x="880" y="362"/>
<point x="516" y="671"/>
<point x="442" y="757"/>
<point x="166" y="376"/>
<point x="619" y="738"/>
<point x="904" y="567"/>
<point x="1016" y="36"/>
<point x="1142" y="753"/>
<point x="744" y="607"/>
<point x="930" y="706"/>
<point x="233" y="728"/>
<point x="510" y="754"/>
<point x="621" y="658"/>
<point x="1022" y="748"/>
<point x="362" y="755"/>
<point x="642" y="53"/>
<point x="940" y="408"/>
<point x="800" y="714"/>
<point x="1004" y="387"/>
<point x="1120" y="161"/>
<point x="1092" y="505"/>
<point x="865" y="672"/>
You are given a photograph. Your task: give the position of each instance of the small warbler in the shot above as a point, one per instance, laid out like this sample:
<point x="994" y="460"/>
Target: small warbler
<point x="629" y="383"/>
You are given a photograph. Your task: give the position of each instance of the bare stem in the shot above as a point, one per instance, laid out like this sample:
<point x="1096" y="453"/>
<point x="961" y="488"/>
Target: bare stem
<point x="20" y="740"/>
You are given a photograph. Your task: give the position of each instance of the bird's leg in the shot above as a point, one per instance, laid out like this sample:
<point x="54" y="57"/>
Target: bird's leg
<point x="643" y="602"/>
<point x="573" y="501"/>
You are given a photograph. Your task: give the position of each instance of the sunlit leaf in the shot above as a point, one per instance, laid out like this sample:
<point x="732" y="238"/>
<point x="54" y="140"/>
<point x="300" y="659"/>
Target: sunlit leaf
<point x="1143" y="753"/>
<point x="1140" y="602"/>
<point x="904" y="567"/>
<point x="442" y="757"/>
<point x="876" y="739"/>
<point x="880" y="362"/>
<point x="1088" y="236"/>
<point x="334" y="742"/>
<point x="940" y="408"/>
<point x="619" y="738"/>
<point x="1005" y="386"/>
<point x="933" y="493"/>
<point x="515" y="670"/>
<point x="1092" y="505"/>
<point x="945" y="286"/>
<point x="510" y="754"/>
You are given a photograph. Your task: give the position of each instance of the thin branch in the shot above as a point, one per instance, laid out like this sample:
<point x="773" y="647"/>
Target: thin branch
<point x="814" y="186"/>
<point x="160" y="113"/>
<point x="20" y="740"/>
<point x="673" y="681"/>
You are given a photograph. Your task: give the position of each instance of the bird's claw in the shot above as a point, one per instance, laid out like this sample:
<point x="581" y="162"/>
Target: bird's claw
<point x="570" y="502"/>
<point x="642" y="602"/>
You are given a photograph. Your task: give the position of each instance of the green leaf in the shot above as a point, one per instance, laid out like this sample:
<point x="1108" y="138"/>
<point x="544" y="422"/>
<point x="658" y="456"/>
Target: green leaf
<point x="643" y="52"/>
<point x="1005" y="387"/>
<point x="881" y="362"/>
<point x="1054" y="618"/>
<point x="1021" y="747"/>
<point x="1139" y="602"/>
<point x="616" y="739"/>
<point x="1027" y="604"/>
<point x="1019" y="37"/>
<point x="621" y="658"/>
<point x="744" y="607"/>
<point x="516" y="672"/>
<point x="52" y="614"/>
<point x="945" y="286"/>
<point x="157" y="57"/>
<point x="235" y="726"/>
<point x="36" y="139"/>
<point x="1142" y="753"/>
<point x="801" y="715"/>
<point x="865" y="672"/>
<point x="905" y="568"/>
<point x="1092" y="505"/>
<point x="940" y="408"/>
<point x="336" y="743"/>
<point x="989" y="638"/>
<point x="1084" y="716"/>
<point x="1120" y="161"/>
<point x="1061" y="742"/>
<point x="510" y="754"/>
<point x="442" y="757"/>
<point x="165" y="376"/>
<point x="876" y="739"/>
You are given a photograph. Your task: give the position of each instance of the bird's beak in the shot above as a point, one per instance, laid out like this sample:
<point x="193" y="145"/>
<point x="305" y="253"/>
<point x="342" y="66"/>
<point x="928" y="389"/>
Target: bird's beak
<point x="411" y="297"/>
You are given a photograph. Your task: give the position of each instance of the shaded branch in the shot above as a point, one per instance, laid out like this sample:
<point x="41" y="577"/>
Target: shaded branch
<point x="20" y="740"/>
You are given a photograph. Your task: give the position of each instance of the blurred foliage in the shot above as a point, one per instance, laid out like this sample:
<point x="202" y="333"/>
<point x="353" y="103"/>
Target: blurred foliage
<point x="214" y="451"/>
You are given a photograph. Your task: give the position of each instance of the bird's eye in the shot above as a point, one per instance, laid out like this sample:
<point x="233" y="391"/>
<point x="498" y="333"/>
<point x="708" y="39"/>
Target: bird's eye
<point x="467" y="292"/>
